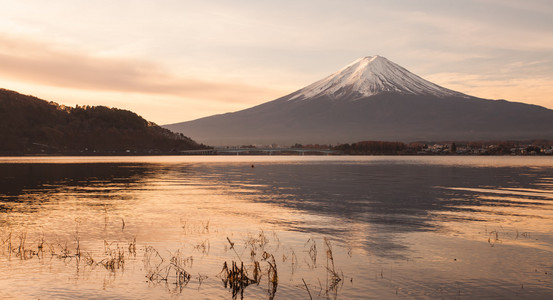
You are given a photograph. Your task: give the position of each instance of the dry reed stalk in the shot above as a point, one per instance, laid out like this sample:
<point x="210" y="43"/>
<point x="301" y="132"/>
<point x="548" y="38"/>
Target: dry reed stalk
<point x="307" y="288"/>
<point x="335" y="278"/>
<point x="312" y="253"/>
<point x="272" y="278"/>
<point x="235" y="278"/>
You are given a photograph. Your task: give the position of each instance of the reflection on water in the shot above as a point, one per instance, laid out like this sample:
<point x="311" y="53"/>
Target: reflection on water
<point x="38" y="183"/>
<point x="385" y="226"/>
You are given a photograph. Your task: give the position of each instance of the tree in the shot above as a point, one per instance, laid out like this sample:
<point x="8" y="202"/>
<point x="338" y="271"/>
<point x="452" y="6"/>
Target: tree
<point x="453" y="147"/>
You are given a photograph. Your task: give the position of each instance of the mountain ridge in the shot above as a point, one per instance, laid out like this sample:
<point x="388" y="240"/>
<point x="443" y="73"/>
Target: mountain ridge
<point x="372" y="99"/>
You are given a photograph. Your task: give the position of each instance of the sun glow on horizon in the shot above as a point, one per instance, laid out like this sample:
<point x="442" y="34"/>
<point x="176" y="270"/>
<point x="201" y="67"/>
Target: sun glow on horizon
<point x="180" y="61"/>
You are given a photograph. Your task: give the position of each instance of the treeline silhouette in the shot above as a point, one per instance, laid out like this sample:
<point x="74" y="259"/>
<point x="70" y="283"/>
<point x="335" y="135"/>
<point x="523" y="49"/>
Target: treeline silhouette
<point x="32" y="125"/>
<point x="529" y="147"/>
<point x="373" y="147"/>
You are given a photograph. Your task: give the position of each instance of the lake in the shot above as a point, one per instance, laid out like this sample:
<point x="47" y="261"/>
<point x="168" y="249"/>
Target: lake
<point x="282" y="227"/>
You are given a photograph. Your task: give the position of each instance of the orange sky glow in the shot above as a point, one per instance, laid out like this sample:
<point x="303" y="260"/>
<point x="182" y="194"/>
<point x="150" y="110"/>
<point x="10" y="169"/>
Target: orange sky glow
<point x="173" y="61"/>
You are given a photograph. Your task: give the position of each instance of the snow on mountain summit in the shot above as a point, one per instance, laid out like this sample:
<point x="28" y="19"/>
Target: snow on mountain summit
<point x="370" y="76"/>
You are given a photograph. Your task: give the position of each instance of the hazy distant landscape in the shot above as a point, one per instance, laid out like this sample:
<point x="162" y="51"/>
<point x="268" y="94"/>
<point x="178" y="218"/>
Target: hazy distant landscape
<point x="372" y="106"/>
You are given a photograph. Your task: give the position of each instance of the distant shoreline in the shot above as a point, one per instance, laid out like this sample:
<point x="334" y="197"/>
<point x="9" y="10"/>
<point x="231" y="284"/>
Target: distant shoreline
<point x="365" y="148"/>
<point x="250" y="154"/>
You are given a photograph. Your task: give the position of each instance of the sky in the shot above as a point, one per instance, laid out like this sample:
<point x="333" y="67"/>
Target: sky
<point x="177" y="60"/>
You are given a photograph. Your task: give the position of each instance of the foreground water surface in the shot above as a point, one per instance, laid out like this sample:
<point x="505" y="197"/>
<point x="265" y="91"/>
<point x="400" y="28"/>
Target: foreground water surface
<point x="297" y="227"/>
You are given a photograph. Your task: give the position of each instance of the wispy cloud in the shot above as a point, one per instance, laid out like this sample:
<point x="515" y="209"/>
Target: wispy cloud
<point x="529" y="90"/>
<point x="215" y="56"/>
<point x="41" y="63"/>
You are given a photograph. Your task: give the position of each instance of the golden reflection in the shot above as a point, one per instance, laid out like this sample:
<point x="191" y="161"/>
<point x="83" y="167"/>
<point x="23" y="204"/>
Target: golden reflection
<point x="510" y="191"/>
<point x="505" y="220"/>
<point x="168" y="230"/>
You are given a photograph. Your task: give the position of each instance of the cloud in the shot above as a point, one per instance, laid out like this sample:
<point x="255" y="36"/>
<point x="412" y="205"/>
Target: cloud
<point x="41" y="63"/>
<point x="535" y="6"/>
<point x="528" y="90"/>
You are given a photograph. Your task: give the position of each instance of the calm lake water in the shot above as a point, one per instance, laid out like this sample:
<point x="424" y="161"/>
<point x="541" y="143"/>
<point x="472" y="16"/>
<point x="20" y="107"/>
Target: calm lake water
<point x="320" y="227"/>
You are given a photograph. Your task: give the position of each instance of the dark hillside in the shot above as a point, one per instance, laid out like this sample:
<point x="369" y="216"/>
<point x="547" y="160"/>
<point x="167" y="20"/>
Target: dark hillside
<point x="32" y="125"/>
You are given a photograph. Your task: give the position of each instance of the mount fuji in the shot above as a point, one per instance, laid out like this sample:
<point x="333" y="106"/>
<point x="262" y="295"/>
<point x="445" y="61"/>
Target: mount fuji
<point x="372" y="99"/>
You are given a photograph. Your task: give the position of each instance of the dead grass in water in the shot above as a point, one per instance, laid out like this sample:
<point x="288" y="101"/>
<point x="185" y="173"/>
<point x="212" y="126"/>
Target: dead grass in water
<point x="252" y="260"/>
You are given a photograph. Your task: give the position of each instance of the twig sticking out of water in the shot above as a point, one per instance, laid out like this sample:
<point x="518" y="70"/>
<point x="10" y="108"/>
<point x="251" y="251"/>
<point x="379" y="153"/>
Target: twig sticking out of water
<point x="205" y="227"/>
<point x="132" y="247"/>
<point x="21" y="249"/>
<point x="178" y="263"/>
<point x="258" y="242"/>
<point x="78" y="244"/>
<point x="335" y="278"/>
<point x="116" y="259"/>
<point x="235" y="278"/>
<point x="312" y="252"/>
<point x="105" y="217"/>
<point x="272" y="277"/>
<point x="159" y="271"/>
<point x="204" y="247"/>
<point x="201" y="278"/>
<point x="232" y="247"/>
<point x="307" y="288"/>
<point x="294" y="261"/>
<point x="153" y="262"/>
<point x="256" y="272"/>
<point x="495" y="235"/>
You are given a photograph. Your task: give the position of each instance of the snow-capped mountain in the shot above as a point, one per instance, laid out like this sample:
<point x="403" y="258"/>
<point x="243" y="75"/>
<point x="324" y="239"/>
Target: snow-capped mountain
<point x="370" y="76"/>
<point x="372" y="99"/>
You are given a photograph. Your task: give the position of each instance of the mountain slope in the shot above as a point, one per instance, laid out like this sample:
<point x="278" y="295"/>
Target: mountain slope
<point x="370" y="76"/>
<point x="31" y="125"/>
<point x="372" y="99"/>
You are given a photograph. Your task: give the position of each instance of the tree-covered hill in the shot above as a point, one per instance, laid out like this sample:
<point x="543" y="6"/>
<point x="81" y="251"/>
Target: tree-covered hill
<point x="32" y="125"/>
